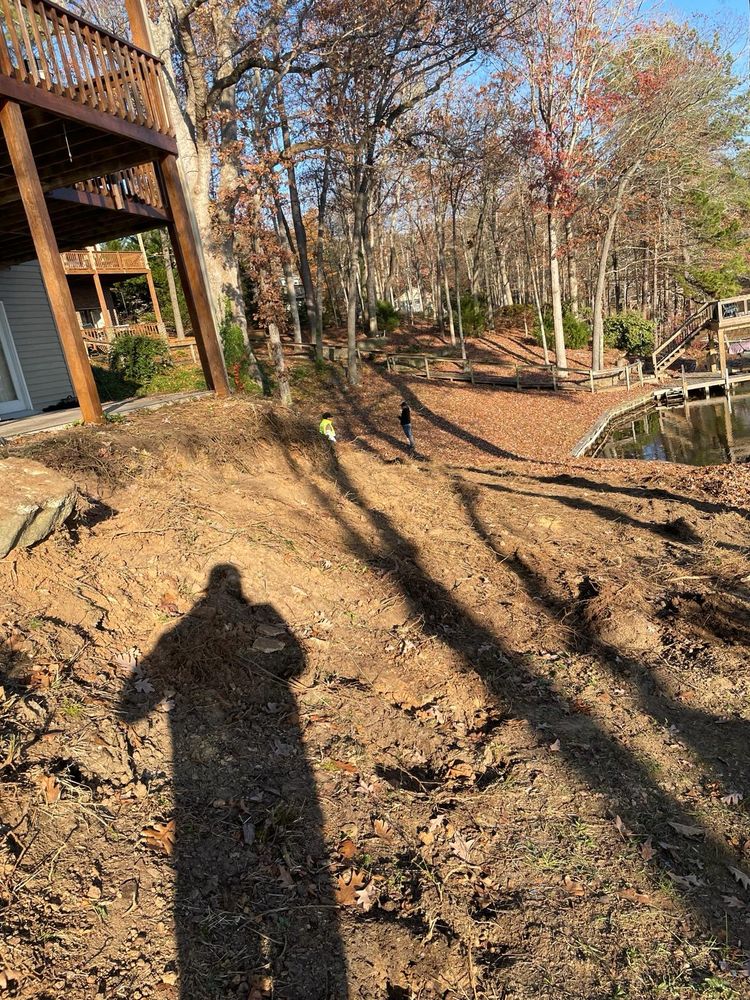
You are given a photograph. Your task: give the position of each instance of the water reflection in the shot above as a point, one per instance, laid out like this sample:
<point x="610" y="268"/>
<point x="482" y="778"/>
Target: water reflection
<point x="704" y="432"/>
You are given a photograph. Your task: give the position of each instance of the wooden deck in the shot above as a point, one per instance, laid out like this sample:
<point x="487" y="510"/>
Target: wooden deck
<point x="698" y="384"/>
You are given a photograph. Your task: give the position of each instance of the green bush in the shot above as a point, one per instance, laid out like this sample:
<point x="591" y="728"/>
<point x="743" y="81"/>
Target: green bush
<point x="137" y="358"/>
<point x="235" y="350"/>
<point x="576" y="331"/>
<point x="629" y="332"/>
<point x="388" y="318"/>
<point x="516" y="311"/>
<point x="473" y="315"/>
<point x="178" y="379"/>
<point x="111" y="386"/>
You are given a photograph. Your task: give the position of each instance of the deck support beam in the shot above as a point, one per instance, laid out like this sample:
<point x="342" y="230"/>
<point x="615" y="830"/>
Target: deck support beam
<point x="188" y="262"/>
<point x="106" y="318"/>
<point x="50" y="262"/>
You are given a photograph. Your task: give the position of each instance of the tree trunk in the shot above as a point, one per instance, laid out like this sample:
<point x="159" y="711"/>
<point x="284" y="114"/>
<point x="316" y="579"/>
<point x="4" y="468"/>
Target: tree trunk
<point x="319" y="263"/>
<point x="597" y="351"/>
<point x="174" y="301"/>
<point x="572" y="268"/>
<point x="561" y="359"/>
<point x="457" y="287"/>
<point x="288" y="271"/>
<point x="279" y="365"/>
<point x="360" y="201"/>
<point x="300" y="233"/>
<point x="369" y="255"/>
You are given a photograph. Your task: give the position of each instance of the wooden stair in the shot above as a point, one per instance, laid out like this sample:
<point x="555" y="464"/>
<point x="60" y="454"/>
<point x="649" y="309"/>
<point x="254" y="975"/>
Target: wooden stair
<point x="676" y="345"/>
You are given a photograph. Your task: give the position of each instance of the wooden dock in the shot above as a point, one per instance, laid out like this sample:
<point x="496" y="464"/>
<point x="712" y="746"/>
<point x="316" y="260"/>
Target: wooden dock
<point x="694" y="384"/>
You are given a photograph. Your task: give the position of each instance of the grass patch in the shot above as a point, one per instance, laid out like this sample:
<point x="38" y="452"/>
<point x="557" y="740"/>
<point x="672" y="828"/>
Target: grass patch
<point x="179" y="379"/>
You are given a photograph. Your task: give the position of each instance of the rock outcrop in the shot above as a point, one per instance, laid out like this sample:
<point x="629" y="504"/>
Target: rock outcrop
<point x="34" y="502"/>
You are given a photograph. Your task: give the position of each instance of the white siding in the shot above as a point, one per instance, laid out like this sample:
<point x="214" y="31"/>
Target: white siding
<point x="34" y="334"/>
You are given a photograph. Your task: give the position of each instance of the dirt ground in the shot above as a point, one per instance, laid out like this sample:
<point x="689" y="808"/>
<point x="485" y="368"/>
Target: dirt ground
<point x="278" y="723"/>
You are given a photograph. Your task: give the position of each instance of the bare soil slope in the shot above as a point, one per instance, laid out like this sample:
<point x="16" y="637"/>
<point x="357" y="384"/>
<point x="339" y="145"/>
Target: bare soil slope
<point x="280" y="725"/>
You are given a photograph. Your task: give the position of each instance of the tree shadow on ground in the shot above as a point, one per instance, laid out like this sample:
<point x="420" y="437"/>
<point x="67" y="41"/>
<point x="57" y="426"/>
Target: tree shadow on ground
<point x="605" y="765"/>
<point x="646" y="492"/>
<point x="712" y="739"/>
<point x="679" y="531"/>
<point x="442" y="423"/>
<point x="253" y="896"/>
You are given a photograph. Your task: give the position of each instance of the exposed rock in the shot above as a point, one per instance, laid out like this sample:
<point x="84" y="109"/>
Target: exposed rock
<point x="34" y="502"/>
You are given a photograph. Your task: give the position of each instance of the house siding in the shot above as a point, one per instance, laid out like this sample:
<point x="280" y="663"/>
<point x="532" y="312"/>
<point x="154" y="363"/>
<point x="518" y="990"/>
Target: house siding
<point x="35" y="334"/>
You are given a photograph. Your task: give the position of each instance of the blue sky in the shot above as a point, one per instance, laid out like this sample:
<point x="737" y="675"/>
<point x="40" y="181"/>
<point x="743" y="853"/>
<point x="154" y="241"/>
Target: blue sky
<point x="731" y="16"/>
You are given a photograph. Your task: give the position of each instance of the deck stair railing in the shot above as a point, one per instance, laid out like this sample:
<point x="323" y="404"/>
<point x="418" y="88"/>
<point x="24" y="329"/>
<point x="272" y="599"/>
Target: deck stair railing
<point x="679" y="341"/>
<point x="54" y="50"/>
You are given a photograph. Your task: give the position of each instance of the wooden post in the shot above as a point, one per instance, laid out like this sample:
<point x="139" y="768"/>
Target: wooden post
<point x="191" y="275"/>
<point x="640" y="372"/>
<point x="627" y="377"/>
<point x="684" y="384"/>
<point x="154" y="299"/>
<point x="50" y="261"/>
<point x="471" y="371"/>
<point x="427" y="366"/>
<point x="140" y="27"/>
<point x="591" y="379"/>
<point x="178" y="327"/>
<point x="554" y="378"/>
<point x="106" y="318"/>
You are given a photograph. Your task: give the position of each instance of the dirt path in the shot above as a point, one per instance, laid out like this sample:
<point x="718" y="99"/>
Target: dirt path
<point x="276" y="727"/>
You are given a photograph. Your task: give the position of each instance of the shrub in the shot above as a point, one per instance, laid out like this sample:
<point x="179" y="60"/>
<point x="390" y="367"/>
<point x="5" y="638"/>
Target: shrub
<point x="111" y="386"/>
<point x="576" y="330"/>
<point x="473" y="315"/>
<point x="629" y="332"/>
<point x="388" y="317"/>
<point x="138" y="358"/>
<point x="236" y="355"/>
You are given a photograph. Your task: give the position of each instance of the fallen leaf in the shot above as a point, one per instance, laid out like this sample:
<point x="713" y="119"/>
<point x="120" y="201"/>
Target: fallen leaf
<point x="263" y="644"/>
<point x="248" y="831"/>
<point x="367" y="897"/>
<point x="343" y="765"/>
<point x="348" y="885"/>
<point x="128" y="659"/>
<point x="687" y="831"/>
<point x="168" y="604"/>
<point x="382" y="829"/>
<point x="170" y="978"/>
<point x="733" y="902"/>
<point x="572" y="887"/>
<point x="686" y="881"/>
<point x="623" y="830"/>
<point x="461" y="770"/>
<point x="555" y="747"/>
<point x="285" y="877"/>
<point x="740" y="877"/>
<point x="427" y="837"/>
<point x="647" y="850"/>
<point x="144" y="686"/>
<point x="347" y="848"/>
<point x="732" y="798"/>
<point x="462" y="847"/>
<point x="634" y="896"/>
<point x="51" y="788"/>
<point x="160" y="837"/>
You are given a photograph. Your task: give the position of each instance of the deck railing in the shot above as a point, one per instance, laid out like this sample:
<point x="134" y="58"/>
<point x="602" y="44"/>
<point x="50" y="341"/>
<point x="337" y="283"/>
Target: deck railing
<point x="134" y="184"/>
<point x="116" y="261"/>
<point x="670" y="349"/>
<point x="54" y="50"/>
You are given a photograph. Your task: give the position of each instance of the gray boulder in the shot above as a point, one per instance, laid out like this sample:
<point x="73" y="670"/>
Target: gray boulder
<point x="34" y="502"/>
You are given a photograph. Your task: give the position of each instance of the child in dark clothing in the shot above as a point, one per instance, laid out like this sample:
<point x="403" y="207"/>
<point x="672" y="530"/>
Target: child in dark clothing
<point x="405" y="420"/>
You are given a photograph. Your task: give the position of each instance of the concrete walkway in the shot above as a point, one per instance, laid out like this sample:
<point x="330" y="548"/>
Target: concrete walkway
<point x="40" y="422"/>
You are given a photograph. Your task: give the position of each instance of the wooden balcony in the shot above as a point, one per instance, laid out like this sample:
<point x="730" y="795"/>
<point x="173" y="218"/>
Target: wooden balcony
<point x="104" y="262"/>
<point x="60" y="62"/>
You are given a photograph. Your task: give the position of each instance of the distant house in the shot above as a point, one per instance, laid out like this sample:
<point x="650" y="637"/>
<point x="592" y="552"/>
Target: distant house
<point x="87" y="155"/>
<point x="92" y="276"/>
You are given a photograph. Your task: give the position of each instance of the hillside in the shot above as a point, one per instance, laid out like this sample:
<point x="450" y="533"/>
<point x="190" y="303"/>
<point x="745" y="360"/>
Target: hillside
<point x="276" y="724"/>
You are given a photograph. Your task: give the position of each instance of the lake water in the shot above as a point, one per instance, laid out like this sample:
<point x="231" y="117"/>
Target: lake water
<point x="705" y="432"/>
